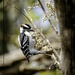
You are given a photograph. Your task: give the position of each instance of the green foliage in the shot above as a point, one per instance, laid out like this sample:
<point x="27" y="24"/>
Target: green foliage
<point x="30" y="2"/>
<point x="53" y="72"/>
<point x="33" y="15"/>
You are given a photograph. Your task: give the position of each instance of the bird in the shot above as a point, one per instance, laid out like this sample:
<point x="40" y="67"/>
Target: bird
<point x="27" y="42"/>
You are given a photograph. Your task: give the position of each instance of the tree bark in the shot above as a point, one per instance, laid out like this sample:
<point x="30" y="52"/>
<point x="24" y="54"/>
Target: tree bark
<point x="65" y="10"/>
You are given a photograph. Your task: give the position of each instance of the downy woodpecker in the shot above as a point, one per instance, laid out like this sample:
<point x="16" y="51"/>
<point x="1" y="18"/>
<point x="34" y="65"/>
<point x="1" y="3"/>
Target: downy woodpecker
<point x="26" y="41"/>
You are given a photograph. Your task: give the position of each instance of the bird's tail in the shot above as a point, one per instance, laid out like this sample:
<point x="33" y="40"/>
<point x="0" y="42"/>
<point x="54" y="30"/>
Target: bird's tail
<point x="27" y="59"/>
<point x="26" y="53"/>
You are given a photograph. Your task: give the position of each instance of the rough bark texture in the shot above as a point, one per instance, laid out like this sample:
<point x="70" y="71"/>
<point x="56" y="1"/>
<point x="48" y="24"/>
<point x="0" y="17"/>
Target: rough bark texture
<point x="65" y="10"/>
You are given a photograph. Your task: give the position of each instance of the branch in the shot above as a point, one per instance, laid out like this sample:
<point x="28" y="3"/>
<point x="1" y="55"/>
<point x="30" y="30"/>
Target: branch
<point x="23" y="14"/>
<point x="48" y="18"/>
<point x="31" y="21"/>
<point x="54" y="51"/>
<point x="56" y="62"/>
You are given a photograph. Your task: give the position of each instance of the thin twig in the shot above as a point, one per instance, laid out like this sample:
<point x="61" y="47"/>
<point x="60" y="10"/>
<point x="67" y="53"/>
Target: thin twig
<point x="22" y="14"/>
<point x="56" y="62"/>
<point x="48" y="18"/>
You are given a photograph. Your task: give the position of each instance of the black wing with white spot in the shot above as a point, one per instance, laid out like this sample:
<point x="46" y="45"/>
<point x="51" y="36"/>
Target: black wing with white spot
<point x="24" y="42"/>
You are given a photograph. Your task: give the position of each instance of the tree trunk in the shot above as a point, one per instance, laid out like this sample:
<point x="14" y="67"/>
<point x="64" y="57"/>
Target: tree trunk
<point x="65" y="10"/>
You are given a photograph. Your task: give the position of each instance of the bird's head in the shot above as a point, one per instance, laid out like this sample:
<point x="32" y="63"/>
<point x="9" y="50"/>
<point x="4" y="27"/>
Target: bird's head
<point x="25" y="27"/>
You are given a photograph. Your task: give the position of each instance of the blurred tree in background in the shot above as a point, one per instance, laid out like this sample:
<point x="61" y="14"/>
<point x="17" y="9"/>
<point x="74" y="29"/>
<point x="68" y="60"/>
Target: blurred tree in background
<point x="46" y="22"/>
<point x="10" y="21"/>
<point x="1" y="27"/>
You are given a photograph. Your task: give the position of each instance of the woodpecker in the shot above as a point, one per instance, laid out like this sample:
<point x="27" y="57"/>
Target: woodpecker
<point x="26" y="41"/>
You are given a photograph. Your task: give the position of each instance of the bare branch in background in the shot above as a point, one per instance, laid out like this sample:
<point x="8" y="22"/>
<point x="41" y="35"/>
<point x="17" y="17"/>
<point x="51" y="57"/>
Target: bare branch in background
<point x="54" y="28"/>
<point x="23" y="14"/>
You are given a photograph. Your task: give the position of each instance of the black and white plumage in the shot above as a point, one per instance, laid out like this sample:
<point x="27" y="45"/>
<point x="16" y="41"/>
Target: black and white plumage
<point x="26" y="41"/>
<point x="24" y="45"/>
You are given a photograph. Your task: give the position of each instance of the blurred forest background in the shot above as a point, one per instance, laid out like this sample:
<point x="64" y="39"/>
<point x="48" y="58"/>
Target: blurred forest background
<point x="12" y="61"/>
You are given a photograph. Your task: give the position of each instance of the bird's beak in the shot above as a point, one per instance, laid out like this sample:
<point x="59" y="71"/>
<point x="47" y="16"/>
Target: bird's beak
<point x="32" y="30"/>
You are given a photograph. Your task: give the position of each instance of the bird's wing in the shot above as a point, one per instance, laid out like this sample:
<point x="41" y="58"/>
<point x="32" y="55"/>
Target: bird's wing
<point x="24" y="42"/>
